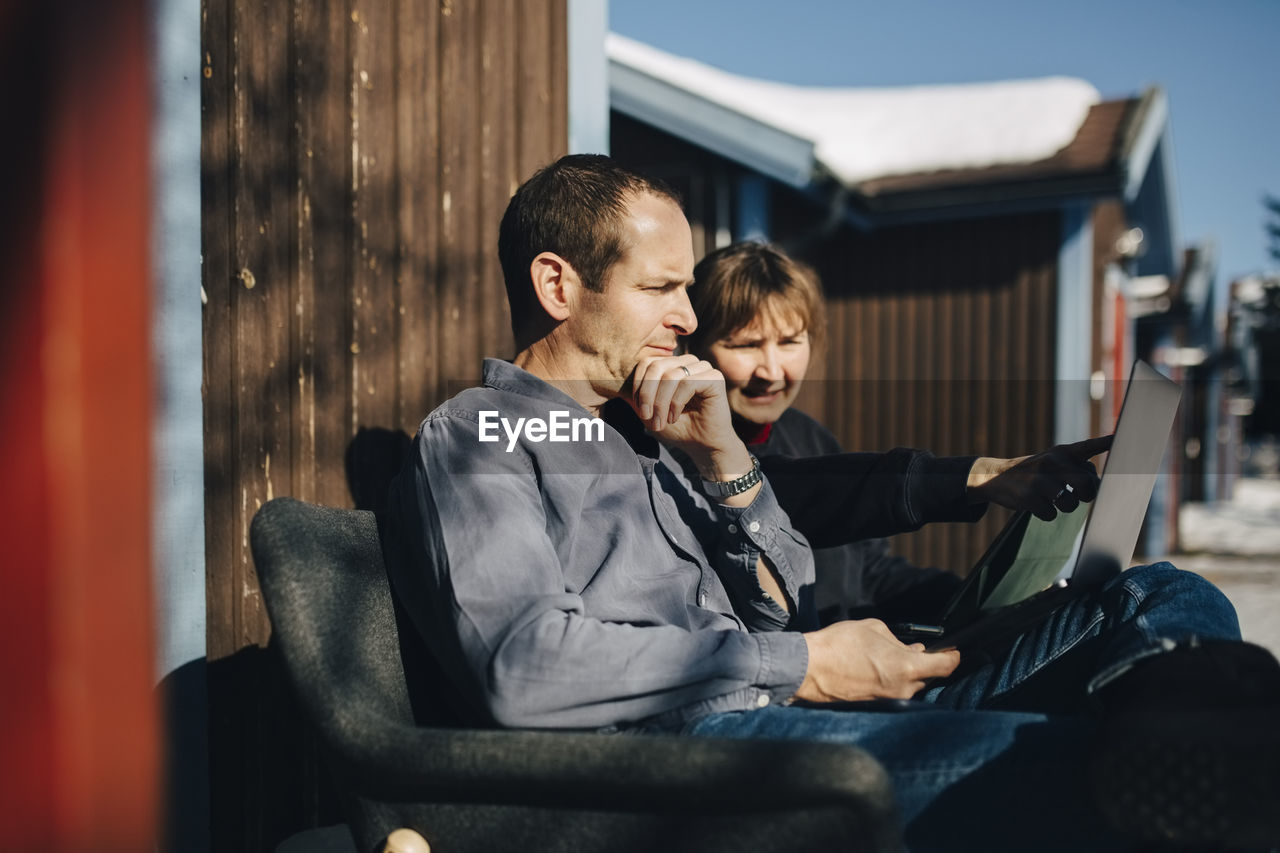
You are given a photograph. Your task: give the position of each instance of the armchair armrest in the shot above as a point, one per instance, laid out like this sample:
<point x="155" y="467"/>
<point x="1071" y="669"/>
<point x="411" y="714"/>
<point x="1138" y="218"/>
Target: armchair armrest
<point x="694" y="781"/>
<point x="588" y="769"/>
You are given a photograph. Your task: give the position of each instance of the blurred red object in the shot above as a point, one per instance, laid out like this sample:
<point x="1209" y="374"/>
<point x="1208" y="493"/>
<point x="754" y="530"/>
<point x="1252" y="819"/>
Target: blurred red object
<point x="78" y="717"/>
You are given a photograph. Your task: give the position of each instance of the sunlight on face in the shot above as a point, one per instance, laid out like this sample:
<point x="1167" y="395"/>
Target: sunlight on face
<point x="643" y="309"/>
<point x="763" y="365"/>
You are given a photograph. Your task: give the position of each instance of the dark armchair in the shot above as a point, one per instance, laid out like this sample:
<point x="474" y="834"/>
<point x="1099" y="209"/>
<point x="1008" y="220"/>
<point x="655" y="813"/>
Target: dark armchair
<point x="347" y="648"/>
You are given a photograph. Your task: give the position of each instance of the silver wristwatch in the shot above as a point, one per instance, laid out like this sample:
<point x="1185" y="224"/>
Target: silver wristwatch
<point x="729" y="488"/>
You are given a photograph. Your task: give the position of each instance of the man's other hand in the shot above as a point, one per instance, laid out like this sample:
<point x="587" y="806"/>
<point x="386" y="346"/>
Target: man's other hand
<point x="1056" y="479"/>
<point x="862" y="660"/>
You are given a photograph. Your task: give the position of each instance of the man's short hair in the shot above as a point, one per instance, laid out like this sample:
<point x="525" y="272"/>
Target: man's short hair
<point x="735" y="285"/>
<point x="574" y="208"/>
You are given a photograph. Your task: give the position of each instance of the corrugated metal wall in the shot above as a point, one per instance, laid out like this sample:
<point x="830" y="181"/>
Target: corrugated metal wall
<point x="357" y="158"/>
<point x="941" y="336"/>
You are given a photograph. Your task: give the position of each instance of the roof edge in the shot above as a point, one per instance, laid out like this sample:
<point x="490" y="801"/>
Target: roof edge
<point x="990" y="200"/>
<point x="763" y="147"/>
<point x="1141" y="137"/>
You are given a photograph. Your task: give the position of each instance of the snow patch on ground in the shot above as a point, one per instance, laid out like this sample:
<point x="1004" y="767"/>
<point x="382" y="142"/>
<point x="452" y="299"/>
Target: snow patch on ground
<point x="1236" y="545"/>
<point x="1247" y="525"/>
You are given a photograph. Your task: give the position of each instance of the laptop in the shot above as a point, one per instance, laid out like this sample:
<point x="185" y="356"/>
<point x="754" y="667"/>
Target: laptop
<point x="1034" y="566"/>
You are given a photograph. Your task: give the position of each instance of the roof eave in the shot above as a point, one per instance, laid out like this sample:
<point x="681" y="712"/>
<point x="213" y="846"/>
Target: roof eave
<point x="982" y="200"/>
<point x="779" y="155"/>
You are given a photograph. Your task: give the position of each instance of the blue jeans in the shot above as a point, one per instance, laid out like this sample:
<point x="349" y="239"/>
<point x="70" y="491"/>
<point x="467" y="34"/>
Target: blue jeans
<point x="996" y="759"/>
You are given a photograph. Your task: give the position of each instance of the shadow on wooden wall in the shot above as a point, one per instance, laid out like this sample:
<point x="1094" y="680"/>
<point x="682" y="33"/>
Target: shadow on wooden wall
<point x="356" y="161"/>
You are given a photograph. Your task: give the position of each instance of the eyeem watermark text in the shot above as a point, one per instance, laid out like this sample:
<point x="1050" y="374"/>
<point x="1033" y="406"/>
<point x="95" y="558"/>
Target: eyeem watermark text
<point x="557" y="427"/>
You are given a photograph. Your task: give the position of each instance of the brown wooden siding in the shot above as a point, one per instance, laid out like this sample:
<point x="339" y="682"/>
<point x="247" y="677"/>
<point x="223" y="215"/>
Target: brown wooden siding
<point x="693" y="172"/>
<point x="357" y="158"/>
<point x="941" y="337"/>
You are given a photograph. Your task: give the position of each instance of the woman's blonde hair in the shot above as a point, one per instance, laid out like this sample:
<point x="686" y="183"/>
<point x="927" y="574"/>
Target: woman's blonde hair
<point x="735" y="285"/>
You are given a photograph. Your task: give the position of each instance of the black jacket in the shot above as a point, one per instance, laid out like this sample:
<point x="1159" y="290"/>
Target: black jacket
<point x="845" y="502"/>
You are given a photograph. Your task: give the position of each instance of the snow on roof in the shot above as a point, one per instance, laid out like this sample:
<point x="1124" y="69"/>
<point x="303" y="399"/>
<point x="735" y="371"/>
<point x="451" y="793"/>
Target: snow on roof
<point x="860" y="134"/>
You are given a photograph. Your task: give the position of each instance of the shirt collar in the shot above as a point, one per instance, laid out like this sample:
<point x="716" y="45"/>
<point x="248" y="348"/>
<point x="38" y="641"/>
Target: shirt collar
<point x="751" y="433"/>
<point x="505" y="376"/>
<point x="502" y="375"/>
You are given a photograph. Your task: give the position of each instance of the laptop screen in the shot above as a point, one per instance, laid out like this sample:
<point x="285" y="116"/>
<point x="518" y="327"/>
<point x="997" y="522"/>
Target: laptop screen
<point x="1048" y="551"/>
<point x="1028" y="557"/>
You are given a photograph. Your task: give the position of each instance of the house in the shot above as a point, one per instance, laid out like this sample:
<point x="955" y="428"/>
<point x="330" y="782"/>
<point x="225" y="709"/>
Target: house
<point x="1252" y="353"/>
<point x="979" y="243"/>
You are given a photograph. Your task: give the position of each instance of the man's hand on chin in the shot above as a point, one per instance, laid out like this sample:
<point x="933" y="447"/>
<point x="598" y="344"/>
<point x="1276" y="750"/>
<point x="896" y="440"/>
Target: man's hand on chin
<point x="682" y="400"/>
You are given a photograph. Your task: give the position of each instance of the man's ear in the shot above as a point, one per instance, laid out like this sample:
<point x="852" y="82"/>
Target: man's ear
<point x="554" y="280"/>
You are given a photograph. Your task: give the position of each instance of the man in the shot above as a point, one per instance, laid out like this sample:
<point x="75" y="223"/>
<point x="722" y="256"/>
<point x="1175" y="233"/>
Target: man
<point x="579" y="579"/>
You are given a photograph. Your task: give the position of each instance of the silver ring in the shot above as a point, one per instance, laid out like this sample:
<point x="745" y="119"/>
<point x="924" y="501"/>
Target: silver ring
<point x="1066" y="490"/>
<point x="686" y="370"/>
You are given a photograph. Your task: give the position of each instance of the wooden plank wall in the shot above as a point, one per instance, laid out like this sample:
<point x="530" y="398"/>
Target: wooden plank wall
<point x="692" y="171"/>
<point x="941" y="336"/>
<point x="357" y="157"/>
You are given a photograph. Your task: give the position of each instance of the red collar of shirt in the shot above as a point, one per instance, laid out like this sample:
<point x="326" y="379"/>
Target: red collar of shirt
<point x="751" y="433"/>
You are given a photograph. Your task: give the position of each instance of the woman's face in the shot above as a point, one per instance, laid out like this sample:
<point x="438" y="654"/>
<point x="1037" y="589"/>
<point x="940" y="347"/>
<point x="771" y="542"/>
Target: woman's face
<point x="763" y="365"/>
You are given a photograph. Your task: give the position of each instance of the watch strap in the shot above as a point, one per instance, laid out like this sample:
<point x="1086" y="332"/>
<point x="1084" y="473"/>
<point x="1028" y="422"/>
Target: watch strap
<point x="729" y="488"/>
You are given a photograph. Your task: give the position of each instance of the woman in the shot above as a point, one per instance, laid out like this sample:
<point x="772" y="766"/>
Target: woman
<point x="760" y="319"/>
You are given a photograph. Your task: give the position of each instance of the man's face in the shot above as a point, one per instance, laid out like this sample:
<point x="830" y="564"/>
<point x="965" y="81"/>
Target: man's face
<point x="763" y="365"/>
<point x="644" y="305"/>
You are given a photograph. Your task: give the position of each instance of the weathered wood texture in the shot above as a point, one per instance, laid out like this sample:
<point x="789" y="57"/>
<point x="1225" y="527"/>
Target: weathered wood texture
<point x="357" y="157"/>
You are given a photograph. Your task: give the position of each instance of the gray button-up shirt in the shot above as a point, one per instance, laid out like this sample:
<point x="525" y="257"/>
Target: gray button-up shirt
<point x="585" y="583"/>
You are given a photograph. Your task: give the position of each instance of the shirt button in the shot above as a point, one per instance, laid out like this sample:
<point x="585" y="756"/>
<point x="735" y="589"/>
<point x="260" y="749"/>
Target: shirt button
<point x="702" y="599"/>
<point x="754" y="527"/>
<point x="733" y="528"/>
<point x="763" y="700"/>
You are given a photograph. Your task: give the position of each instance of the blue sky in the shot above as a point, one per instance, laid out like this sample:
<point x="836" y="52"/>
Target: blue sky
<point x="1218" y="62"/>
